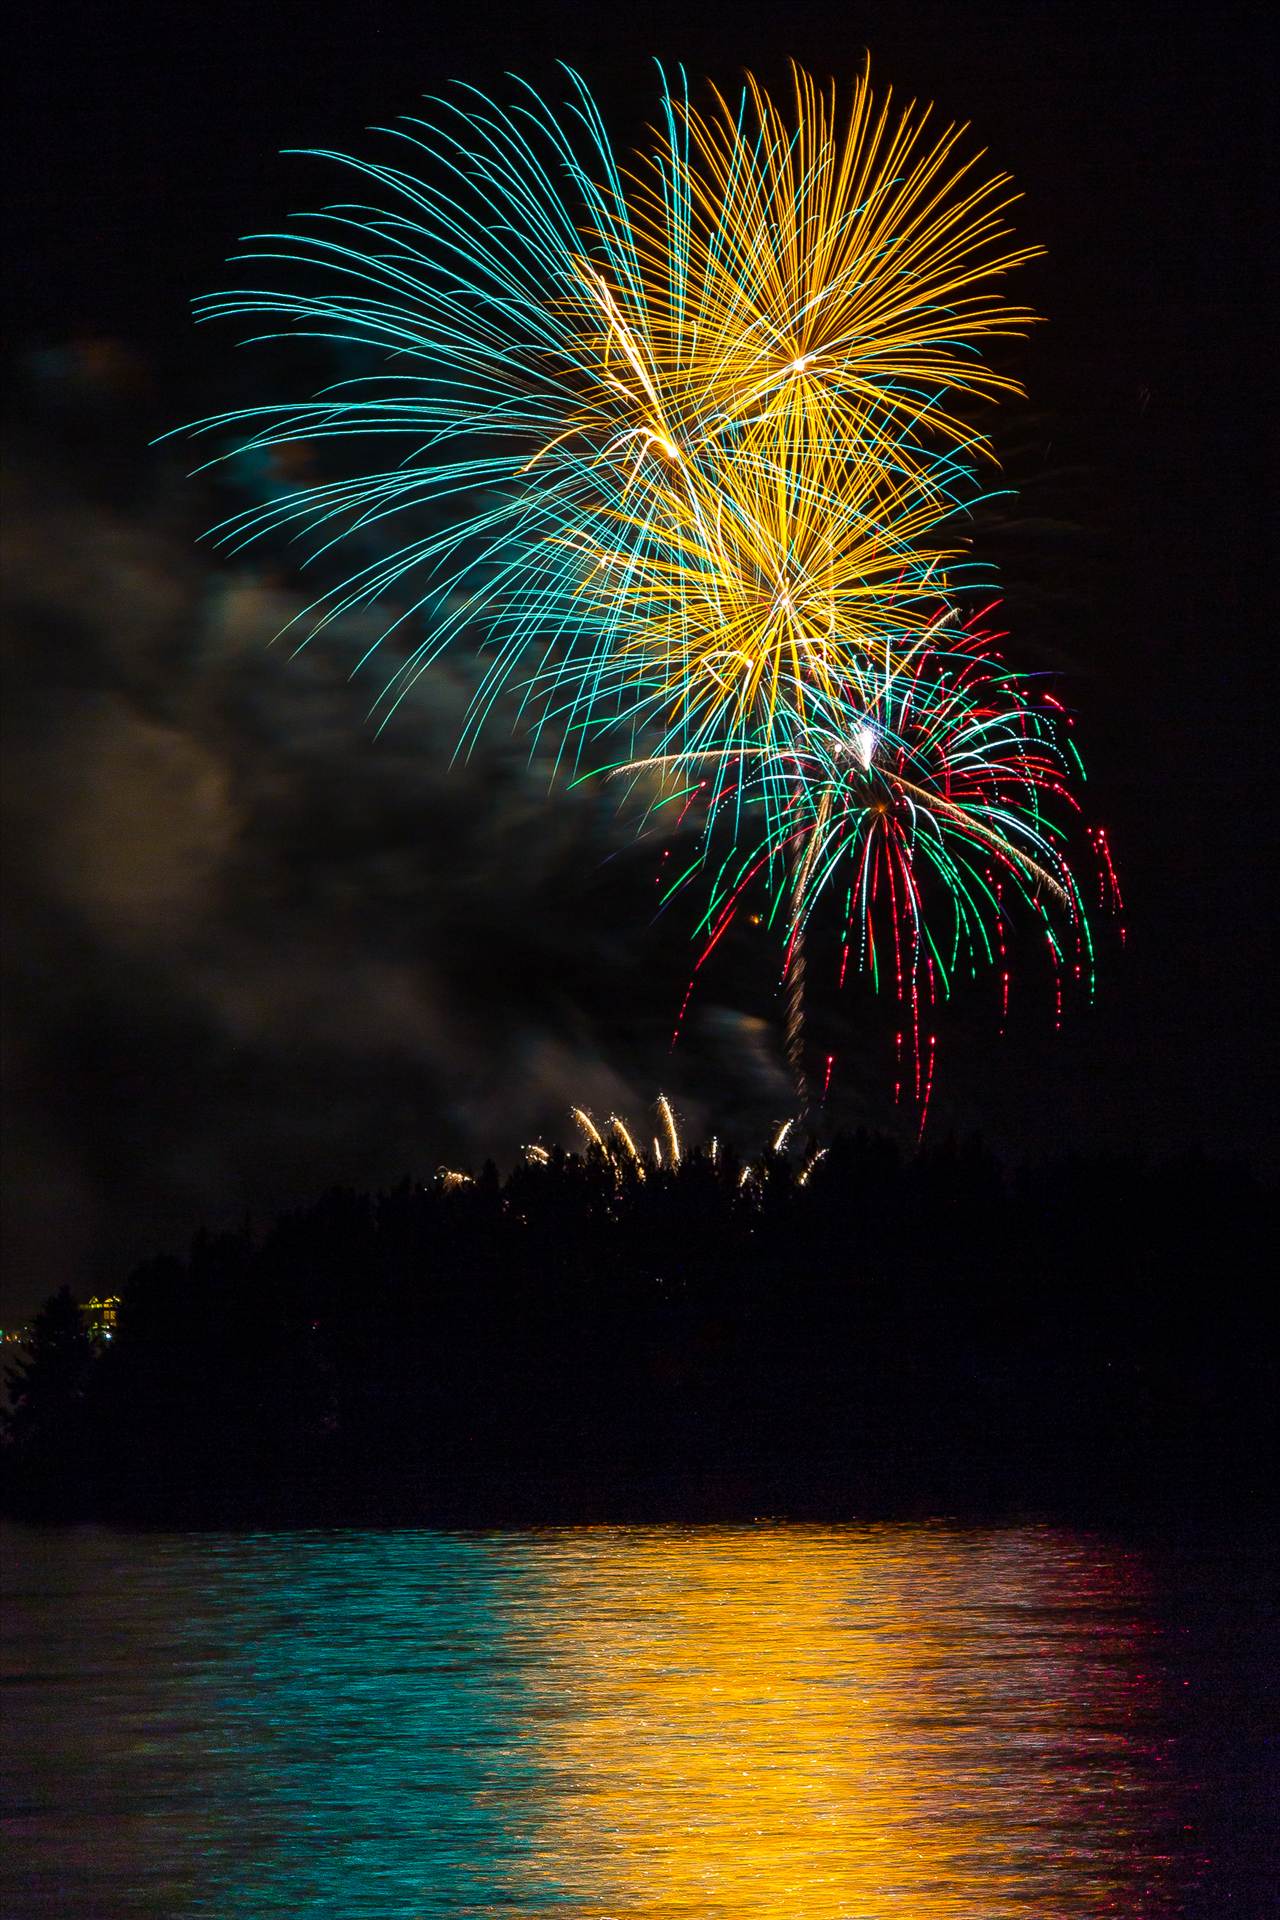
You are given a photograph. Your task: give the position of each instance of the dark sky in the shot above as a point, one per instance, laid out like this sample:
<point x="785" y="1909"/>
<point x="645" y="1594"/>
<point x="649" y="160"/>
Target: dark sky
<point x="250" y="950"/>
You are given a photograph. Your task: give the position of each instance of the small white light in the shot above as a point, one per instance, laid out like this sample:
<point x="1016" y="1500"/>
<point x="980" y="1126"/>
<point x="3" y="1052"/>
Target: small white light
<point x="865" y="741"/>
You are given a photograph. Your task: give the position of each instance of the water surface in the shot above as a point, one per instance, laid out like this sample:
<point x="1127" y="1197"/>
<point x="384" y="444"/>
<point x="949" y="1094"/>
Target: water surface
<point x="844" y="1724"/>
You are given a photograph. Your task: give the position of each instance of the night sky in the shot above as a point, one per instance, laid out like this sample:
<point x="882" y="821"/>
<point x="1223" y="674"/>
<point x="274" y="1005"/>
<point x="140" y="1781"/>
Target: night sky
<point x="250" y="950"/>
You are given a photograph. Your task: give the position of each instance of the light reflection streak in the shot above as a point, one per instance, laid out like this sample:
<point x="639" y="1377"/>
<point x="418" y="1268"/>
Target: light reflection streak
<point x="862" y="1723"/>
<point x="831" y="1724"/>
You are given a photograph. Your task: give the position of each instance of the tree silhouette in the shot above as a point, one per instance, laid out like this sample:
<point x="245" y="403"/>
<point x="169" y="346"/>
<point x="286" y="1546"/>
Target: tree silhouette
<point x="864" y="1332"/>
<point x="46" y="1422"/>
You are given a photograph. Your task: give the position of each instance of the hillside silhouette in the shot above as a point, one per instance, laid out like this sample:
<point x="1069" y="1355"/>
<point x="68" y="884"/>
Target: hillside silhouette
<point x="868" y="1334"/>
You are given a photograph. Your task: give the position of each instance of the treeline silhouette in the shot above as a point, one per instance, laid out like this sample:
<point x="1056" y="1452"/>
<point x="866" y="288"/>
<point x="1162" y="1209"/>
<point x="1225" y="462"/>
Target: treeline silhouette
<point x="891" y="1335"/>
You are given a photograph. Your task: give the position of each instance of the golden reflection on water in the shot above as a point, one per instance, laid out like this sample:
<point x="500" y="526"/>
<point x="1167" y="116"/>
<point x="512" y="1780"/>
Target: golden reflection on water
<point x="774" y="1723"/>
<point x="841" y="1725"/>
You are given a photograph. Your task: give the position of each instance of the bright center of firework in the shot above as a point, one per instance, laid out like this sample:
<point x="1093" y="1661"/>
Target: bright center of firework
<point x="665" y="446"/>
<point x="865" y="741"/>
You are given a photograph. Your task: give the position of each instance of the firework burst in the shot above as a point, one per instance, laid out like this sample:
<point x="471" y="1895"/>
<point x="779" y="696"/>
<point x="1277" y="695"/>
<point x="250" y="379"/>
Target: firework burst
<point x="679" y="445"/>
<point x="930" y="798"/>
<point x="600" y="386"/>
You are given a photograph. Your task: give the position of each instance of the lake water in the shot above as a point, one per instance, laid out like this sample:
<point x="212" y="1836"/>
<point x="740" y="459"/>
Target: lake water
<point x="843" y="1724"/>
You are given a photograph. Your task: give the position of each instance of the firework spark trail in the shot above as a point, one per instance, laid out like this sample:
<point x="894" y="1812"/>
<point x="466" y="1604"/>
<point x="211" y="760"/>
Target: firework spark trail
<point x="614" y="1146"/>
<point x="795" y="967"/>
<point x="669" y="1127"/>
<point x="793" y="1022"/>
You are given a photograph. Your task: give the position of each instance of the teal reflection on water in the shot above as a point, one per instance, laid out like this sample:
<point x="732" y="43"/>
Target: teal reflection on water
<point x="820" y="1724"/>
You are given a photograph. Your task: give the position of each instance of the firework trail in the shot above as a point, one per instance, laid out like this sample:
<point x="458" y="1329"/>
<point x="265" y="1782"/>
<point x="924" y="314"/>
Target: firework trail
<point x="795" y="967"/>
<point x="614" y="1145"/>
<point x="679" y="447"/>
